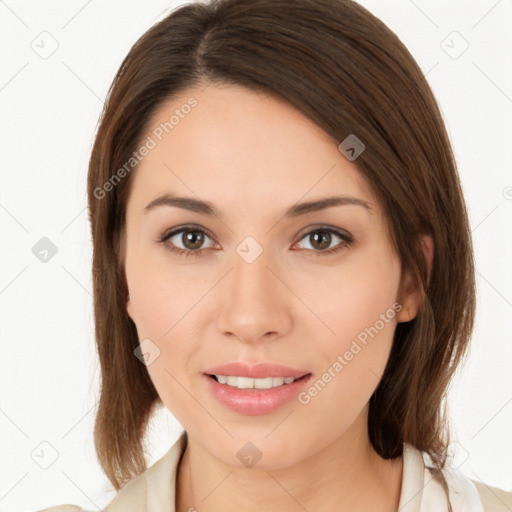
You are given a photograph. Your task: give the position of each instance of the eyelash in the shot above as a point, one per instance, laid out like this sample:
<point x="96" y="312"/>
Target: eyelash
<point x="345" y="237"/>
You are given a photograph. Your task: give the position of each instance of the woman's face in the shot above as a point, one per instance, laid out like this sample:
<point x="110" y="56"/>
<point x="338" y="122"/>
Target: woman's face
<point x="315" y="290"/>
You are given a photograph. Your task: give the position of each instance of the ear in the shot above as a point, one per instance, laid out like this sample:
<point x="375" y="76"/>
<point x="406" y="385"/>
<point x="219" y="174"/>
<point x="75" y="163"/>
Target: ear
<point x="410" y="295"/>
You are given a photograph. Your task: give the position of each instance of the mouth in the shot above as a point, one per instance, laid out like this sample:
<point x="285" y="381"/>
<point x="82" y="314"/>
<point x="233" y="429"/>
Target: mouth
<point x="251" y="397"/>
<point x="240" y="382"/>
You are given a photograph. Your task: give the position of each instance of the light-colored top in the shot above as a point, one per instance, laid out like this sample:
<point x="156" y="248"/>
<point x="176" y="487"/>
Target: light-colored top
<point x="155" y="489"/>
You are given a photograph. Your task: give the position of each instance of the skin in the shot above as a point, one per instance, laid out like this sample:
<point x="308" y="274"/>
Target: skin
<point x="253" y="157"/>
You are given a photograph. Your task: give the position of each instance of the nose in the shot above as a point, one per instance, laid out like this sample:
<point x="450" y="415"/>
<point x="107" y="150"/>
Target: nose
<point x="255" y="303"/>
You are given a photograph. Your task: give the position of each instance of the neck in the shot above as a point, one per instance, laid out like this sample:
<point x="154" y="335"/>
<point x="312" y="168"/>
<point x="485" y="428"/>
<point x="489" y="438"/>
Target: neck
<point x="346" y="475"/>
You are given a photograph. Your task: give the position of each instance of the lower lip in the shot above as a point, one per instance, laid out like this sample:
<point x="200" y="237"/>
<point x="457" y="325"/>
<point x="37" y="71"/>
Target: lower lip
<point x="255" y="401"/>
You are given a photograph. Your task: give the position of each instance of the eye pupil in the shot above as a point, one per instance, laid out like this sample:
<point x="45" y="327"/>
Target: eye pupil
<point x="321" y="237"/>
<point x="195" y="238"/>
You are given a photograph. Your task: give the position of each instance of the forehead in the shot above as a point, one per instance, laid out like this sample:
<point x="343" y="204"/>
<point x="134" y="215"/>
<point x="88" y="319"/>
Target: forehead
<point x="239" y="143"/>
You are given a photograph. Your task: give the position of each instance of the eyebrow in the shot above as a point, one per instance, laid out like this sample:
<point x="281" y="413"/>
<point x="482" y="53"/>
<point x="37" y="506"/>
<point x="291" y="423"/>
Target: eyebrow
<point x="207" y="208"/>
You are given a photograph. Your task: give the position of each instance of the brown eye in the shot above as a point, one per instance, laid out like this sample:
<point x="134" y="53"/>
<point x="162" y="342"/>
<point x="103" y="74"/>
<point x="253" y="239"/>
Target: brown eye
<point x="321" y="239"/>
<point x="187" y="241"/>
<point x="192" y="239"/>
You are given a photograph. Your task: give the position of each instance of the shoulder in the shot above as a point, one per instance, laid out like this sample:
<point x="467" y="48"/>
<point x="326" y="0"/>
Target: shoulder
<point x="466" y="491"/>
<point x="422" y="487"/>
<point x="154" y="489"/>
<point x="493" y="499"/>
<point x="467" y="494"/>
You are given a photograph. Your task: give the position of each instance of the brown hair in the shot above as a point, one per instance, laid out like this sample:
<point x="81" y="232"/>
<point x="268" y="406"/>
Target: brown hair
<point x="350" y="74"/>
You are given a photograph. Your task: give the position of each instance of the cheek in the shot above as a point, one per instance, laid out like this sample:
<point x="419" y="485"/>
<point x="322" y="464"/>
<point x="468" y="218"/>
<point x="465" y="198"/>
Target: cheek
<point x="358" y="304"/>
<point x="163" y="317"/>
<point x="165" y="314"/>
<point x="355" y="295"/>
<point x="160" y="294"/>
<point x="160" y="304"/>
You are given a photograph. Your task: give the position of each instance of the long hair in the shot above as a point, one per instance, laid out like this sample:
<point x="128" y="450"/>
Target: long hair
<point x="350" y="74"/>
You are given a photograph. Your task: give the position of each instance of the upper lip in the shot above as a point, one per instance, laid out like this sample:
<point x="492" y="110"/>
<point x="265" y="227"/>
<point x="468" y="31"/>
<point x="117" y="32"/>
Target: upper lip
<point x="255" y="371"/>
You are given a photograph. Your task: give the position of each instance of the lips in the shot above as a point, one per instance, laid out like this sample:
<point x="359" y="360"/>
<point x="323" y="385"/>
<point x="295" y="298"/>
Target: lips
<point x="258" y="399"/>
<point x="256" y="371"/>
<point x="255" y="401"/>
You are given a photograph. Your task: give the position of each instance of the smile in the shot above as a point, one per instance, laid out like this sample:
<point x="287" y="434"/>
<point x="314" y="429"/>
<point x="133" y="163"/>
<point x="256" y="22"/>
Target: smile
<point x="248" y="383"/>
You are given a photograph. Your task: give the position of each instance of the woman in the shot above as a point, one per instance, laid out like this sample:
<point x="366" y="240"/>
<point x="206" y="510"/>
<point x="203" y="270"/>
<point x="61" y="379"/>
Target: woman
<point x="282" y="258"/>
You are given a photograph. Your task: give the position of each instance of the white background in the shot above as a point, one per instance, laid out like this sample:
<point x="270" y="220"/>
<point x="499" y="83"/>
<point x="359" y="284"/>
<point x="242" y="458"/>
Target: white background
<point x="49" y="108"/>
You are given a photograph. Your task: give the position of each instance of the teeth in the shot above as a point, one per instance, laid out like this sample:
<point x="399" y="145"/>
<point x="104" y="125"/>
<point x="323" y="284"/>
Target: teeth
<point x="248" y="383"/>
